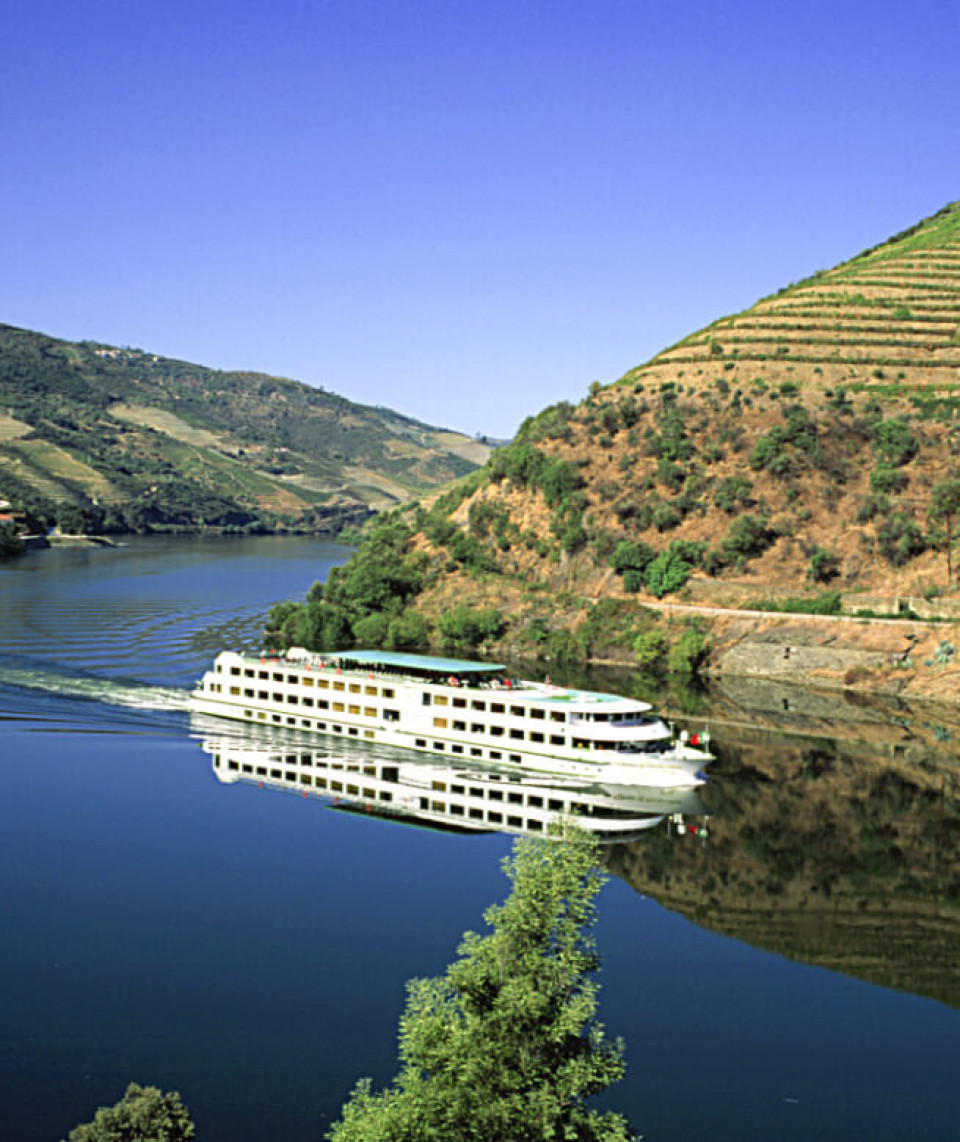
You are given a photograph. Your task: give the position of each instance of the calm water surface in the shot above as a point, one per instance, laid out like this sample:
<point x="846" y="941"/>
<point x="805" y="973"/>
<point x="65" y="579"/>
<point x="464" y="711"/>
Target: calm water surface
<point x="250" y="948"/>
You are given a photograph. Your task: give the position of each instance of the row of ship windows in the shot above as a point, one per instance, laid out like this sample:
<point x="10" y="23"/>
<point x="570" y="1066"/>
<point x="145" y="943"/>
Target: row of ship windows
<point x="387" y="692"/>
<point x="306" y="724"/>
<point x="499" y="732"/>
<point x="306" y="680"/>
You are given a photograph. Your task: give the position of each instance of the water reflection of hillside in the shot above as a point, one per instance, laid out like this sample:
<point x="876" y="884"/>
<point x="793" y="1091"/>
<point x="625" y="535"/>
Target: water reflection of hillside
<point x="835" y="836"/>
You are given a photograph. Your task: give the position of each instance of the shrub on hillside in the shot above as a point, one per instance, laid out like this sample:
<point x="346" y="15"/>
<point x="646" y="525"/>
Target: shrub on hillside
<point x="748" y="536"/>
<point x="667" y="573"/>
<point x="885" y="480"/>
<point x="894" y="442"/>
<point x="824" y="565"/>
<point x="900" y="539"/>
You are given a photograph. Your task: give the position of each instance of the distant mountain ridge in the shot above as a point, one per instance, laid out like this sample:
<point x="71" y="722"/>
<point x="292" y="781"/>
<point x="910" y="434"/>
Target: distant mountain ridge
<point x="95" y="433"/>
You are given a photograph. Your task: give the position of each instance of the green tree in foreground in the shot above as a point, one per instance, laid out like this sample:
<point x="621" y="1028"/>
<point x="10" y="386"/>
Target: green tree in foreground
<point x="945" y="506"/>
<point x="144" y="1114"/>
<point x="505" y="1046"/>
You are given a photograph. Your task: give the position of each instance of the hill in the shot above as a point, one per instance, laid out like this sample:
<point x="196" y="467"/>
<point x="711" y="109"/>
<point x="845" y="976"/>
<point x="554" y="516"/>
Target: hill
<point x="97" y="436"/>
<point x="801" y="452"/>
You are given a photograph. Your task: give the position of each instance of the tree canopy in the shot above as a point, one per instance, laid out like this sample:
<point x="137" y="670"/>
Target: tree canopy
<point x="506" y="1045"/>
<point x="144" y="1114"/>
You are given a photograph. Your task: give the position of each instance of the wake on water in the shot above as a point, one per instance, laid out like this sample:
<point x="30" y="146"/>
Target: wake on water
<point x="111" y="692"/>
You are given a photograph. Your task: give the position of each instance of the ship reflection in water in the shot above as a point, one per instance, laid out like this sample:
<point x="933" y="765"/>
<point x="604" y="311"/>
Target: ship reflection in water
<point x="392" y="783"/>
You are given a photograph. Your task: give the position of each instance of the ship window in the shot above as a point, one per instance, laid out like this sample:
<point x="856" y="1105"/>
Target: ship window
<point x="425" y="698"/>
<point x="518" y="711"/>
<point x="321" y="725"/>
<point x="495" y="818"/>
<point x="580" y="743"/>
<point x="321" y="783"/>
<point x="369" y="793"/>
<point x="278" y="677"/>
<point x="248" y="713"/>
<point x="353" y="732"/>
<point x="495" y="795"/>
<point x="307" y="681"/>
<point x="248" y="674"/>
<point x="291" y="721"/>
<point x="457" y="789"/>
<point x="262" y="716"/>
<point x="456" y="810"/>
<point x="263" y="674"/>
<point x="292" y="699"/>
<point x="476" y="752"/>
<point x="368" y="733"/>
<point x="338" y="686"/>
<point x="306" y="779"/>
<point x="438" y="806"/>
<point x="369" y="712"/>
<point x="495" y="755"/>
<point x="421" y="741"/>
<point x="323" y="704"/>
<point x="478" y="704"/>
<point x="535" y="801"/>
<point x="353" y="789"/>
<point x="248" y="693"/>
<point x="307" y="701"/>
<point x="535" y="826"/>
<point x="351" y="709"/>
<point x="293" y="679"/>
<point x="496" y="731"/>
<point x="246" y="768"/>
<point x="475" y="791"/>
<point x="557" y="716"/>
<point x="338" y="707"/>
<point x="290" y="775"/>
<point x="337" y="729"/>
<point x="476" y="814"/>
<point x="557" y="739"/>
<point x="277" y="718"/>
<point x="235" y="670"/>
<point x="391" y="715"/>
<point x="370" y="770"/>
<point x="233" y="765"/>
<point x="477" y="728"/>
<point x="305" y="723"/>
<point x="278" y="697"/>
<point x="536" y="737"/>
<point x="387" y="693"/>
<point x="355" y="688"/>
<point x="515" y="798"/>
<point x="386" y="795"/>
<point x="323" y="684"/>
<point x="440" y="723"/>
<point x="514" y="757"/>
<point x="370" y="690"/>
<point x="497" y="708"/>
<point x="457" y="748"/>
<point x="291" y="759"/>
<point x="439" y="786"/>
<point x="336" y="786"/>
<point x="517" y="735"/>
<point x="514" y="822"/>
<point x="219" y="668"/>
<point x="535" y="713"/>
<point x="460" y="703"/>
<point x="440" y="699"/>
<point x="235" y="690"/>
<point x="438" y="745"/>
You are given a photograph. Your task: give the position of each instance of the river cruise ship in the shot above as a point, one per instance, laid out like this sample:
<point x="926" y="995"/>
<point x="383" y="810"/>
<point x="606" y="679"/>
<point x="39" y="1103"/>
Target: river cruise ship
<point x="455" y="708"/>
<point x="394" y="784"/>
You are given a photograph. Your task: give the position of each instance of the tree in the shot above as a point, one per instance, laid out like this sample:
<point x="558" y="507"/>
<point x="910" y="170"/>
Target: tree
<point x="506" y="1045"/>
<point x="144" y="1114"/>
<point x="944" y="505"/>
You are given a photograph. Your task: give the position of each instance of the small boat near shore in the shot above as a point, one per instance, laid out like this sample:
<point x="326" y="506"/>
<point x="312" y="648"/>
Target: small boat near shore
<point x="454" y="709"/>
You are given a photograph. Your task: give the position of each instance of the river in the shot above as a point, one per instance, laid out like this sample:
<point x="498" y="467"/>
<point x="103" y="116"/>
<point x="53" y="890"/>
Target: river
<point x="791" y="975"/>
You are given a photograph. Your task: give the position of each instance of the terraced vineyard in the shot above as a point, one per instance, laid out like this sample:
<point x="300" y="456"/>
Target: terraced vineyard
<point x="890" y="315"/>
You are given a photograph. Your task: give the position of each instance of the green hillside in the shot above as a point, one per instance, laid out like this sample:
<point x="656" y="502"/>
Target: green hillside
<point x="101" y="436"/>
<point x="797" y="452"/>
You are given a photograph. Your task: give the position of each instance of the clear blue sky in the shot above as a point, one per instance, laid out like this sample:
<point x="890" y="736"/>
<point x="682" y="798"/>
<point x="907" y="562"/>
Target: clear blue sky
<point x="465" y="211"/>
